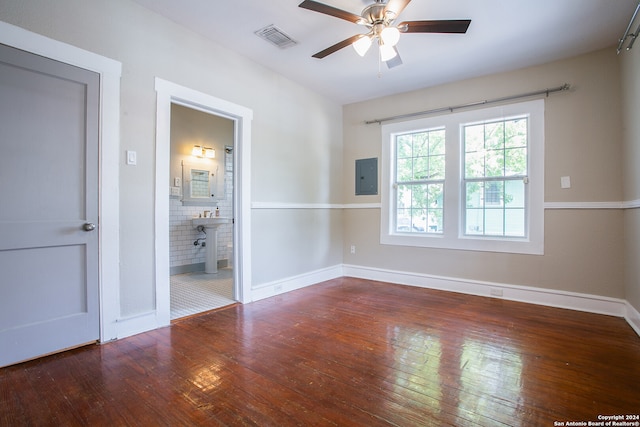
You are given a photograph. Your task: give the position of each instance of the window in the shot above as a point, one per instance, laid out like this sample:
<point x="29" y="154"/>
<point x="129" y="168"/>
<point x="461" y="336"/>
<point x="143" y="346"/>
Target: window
<point x="495" y="172"/>
<point x="419" y="180"/>
<point x="472" y="180"/>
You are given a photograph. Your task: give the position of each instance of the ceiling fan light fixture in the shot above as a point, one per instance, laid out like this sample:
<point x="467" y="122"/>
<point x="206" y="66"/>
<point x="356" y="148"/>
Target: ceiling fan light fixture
<point x="387" y="52"/>
<point x="362" y="45"/>
<point x="390" y="36"/>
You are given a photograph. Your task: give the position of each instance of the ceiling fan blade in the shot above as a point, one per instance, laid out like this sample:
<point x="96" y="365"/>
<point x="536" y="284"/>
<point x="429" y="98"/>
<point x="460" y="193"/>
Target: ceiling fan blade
<point x="330" y="10"/>
<point x="395" y="61"/>
<point x="444" y="26"/>
<point x="336" y="47"/>
<point x="396" y="6"/>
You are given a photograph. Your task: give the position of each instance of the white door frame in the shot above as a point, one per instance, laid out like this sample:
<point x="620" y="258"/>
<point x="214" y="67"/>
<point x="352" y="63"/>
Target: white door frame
<point x="109" y="147"/>
<point x="170" y="93"/>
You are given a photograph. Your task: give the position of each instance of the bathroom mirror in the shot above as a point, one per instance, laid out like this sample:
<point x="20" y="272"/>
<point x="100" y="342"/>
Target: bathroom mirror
<point x="201" y="184"/>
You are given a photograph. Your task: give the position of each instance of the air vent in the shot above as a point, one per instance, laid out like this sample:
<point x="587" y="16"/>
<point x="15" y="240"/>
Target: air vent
<point x="275" y="36"/>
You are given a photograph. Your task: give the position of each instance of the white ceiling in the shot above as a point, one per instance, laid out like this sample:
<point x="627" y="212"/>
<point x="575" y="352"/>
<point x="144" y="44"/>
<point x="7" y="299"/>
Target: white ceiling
<point x="503" y="35"/>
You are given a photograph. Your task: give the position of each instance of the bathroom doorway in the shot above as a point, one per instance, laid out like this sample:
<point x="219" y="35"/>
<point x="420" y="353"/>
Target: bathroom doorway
<point x="201" y="182"/>
<point x="239" y="256"/>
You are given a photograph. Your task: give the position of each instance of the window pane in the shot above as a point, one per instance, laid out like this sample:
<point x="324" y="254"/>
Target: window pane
<point x="514" y="223"/>
<point x="419" y="196"/>
<point x="435" y="221"/>
<point x="494" y="163"/>
<point x="420" y="168"/>
<point x="436" y="196"/>
<point x="493" y="193"/>
<point x="475" y="194"/>
<point x="436" y="167"/>
<point x="403" y="220"/>
<point x="514" y="193"/>
<point x="435" y="213"/>
<point x="516" y="133"/>
<point x="404" y="146"/>
<point x="404" y="170"/>
<point x="494" y="222"/>
<point x="475" y="221"/>
<point x="494" y="136"/>
<point x="474" y="138"/>
<point x="420" y="144"/>
<point x="515" y="162"/>
<point x="474" y="165"/>
<point x="404" y="196"/>
<point x="418" y="221"/>
<point x="436" y="142"/>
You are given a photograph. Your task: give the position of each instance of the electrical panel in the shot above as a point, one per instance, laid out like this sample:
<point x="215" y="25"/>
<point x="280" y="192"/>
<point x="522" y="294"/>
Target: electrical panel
<point x="367" y="177"/>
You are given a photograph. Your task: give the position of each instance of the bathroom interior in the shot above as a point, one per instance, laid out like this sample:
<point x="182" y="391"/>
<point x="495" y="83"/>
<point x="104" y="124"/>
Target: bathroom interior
<point x="201" y="212"/>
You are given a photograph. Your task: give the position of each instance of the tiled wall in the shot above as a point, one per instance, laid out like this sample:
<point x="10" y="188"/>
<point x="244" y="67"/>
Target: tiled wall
<point x="182" y="251"/>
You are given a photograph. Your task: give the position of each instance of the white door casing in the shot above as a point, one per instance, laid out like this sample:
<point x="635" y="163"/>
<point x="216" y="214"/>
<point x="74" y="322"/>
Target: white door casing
<point x="168" y="93"/>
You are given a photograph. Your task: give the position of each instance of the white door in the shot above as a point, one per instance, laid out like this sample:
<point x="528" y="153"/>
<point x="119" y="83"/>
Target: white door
<point x="48" y="206"/>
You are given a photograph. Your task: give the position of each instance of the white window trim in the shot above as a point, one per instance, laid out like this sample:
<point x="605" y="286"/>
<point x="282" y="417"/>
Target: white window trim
<point x="453" y="236"/>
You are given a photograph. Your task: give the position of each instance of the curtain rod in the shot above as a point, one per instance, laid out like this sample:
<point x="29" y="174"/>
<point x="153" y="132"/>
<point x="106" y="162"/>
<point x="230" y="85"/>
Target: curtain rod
<point x="451" y="109"/>
<point x="627" y="34"/>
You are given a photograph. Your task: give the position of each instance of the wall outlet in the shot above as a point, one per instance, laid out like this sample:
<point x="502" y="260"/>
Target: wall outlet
<point x="175" y="191"/>
<point x="353" y="249"/>
<point x="496" y="292"/>
<point x="277" y="288"/>
<point x="177" y="182"/>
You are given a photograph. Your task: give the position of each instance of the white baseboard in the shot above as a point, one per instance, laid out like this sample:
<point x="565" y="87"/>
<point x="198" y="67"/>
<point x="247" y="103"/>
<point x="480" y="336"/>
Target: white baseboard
<point x="632" y="316"/>
<point x="295" y="282"/>
<point x="133" y="325"/>
<point x="548" y="297"/>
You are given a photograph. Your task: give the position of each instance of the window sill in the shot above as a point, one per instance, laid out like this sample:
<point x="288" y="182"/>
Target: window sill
<point x="466" y="243"/>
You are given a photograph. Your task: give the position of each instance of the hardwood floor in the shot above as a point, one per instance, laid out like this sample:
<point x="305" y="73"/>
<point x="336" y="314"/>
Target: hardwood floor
<point x="344" y="352"/>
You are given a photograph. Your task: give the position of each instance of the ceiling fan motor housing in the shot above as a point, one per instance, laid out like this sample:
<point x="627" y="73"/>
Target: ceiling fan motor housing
<point x="375" y="14"/>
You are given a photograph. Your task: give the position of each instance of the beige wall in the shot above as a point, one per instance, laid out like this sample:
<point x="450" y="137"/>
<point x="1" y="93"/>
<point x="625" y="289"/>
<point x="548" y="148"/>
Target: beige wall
<point x="296" y="134"/>
<point x="583" y="251"/>
<point x="630" y="61"/>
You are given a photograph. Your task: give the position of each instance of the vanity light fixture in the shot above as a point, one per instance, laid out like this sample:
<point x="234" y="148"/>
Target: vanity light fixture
<point x="200" y="151"/>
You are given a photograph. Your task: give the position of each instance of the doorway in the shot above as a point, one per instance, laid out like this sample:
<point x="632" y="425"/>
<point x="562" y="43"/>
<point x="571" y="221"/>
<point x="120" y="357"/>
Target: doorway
<point x="168" y="95"/>
<point x="201" y="181"/>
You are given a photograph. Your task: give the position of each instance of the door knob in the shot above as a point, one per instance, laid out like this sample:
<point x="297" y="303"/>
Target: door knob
<point x="89" y="226"/>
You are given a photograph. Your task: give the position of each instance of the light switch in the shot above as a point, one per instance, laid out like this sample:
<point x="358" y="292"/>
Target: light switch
<point x="132" y="157"/>
<point x="565" y="182"/>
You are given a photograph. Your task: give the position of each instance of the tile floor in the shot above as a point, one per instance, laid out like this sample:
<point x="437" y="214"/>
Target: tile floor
<point x="193" y="293"/>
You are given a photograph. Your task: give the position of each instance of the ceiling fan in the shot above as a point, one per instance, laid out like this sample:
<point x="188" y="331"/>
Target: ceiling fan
<point x="379" y="18"/>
